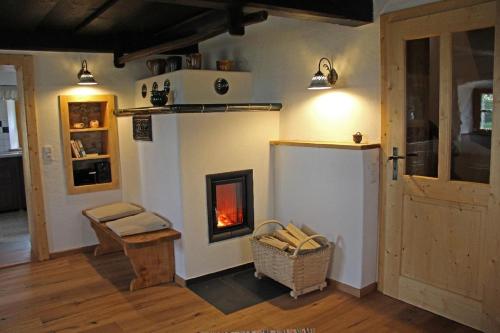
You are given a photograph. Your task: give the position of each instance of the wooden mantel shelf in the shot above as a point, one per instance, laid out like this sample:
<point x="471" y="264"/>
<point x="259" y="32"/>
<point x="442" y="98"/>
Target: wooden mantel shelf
<point x="326" y="144"/>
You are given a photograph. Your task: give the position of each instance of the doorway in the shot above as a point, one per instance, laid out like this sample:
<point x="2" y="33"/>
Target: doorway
<point x="440" y="212"/>
<point x="15" y="246"/>
<point x="23" y="235"/>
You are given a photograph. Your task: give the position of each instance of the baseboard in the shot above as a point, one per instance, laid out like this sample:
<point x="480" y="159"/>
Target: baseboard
<point x="336" y="284"/>
<point x="180" y="281"/>
<point x="352" y="290"/>
<point x="186" y="282"/>
<point x="84" y="249"/>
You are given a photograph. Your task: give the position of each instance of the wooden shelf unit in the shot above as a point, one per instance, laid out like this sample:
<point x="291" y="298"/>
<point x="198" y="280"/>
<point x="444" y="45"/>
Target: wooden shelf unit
<point x="88" y="158"/>
<point x="86" y="130"/>
<point x="83" y="174"/>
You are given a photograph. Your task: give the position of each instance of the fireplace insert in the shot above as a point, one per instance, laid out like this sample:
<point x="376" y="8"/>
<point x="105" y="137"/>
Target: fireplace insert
<point x="230" y="204"/>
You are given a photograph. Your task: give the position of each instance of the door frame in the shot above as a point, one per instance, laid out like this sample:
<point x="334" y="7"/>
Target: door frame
<point x="31" y="158"/>
<point x="491" y="298"/>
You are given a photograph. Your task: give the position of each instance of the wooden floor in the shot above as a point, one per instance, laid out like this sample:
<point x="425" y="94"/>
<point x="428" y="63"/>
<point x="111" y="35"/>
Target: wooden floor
<point x="80" y="293"/>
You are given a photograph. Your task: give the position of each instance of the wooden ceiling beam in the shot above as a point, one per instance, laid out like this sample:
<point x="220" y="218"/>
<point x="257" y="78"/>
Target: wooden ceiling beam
<point x="350" y="13"/>
<point x="209" y="4"/>
<point x="51" y="41"/>
<point x="205" y="20"/>
<point x="24" y="15"/>
<point x="98" y="12"/>
<point x="235" y="24"/>
<point x="190" y="40"/>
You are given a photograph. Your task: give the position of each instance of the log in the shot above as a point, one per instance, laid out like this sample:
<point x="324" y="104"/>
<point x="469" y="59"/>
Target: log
<point x="274" y="242"/>
<point x="285" y="236"/>
<point x="300" y="235"/>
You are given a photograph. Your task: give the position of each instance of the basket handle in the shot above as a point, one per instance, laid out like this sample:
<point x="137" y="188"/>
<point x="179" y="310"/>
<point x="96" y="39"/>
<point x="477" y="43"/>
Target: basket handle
<point x="305" y="241"/>
<point x="264" y="223"/>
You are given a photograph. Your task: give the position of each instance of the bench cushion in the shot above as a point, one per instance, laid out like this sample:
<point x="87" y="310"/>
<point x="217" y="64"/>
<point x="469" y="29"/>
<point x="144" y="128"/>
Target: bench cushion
<point x="113" y="211"/>
<point x="138" y="224"/>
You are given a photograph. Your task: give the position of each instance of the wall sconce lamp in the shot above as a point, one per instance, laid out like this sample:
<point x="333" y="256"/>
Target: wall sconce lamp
<point x="85" y="78"/>
<point x="321" y="81"/>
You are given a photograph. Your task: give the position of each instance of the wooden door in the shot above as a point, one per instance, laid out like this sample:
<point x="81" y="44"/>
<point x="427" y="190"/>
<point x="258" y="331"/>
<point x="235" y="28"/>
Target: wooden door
<point x="440" y="212"/>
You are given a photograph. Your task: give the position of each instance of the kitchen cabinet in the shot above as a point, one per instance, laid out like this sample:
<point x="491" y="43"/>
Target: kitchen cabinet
<point x="12" y="195"/>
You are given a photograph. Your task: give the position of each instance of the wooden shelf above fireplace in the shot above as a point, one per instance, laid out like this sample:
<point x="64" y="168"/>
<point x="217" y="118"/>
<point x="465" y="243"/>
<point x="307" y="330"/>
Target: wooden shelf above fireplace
<point x="326" y="144"/>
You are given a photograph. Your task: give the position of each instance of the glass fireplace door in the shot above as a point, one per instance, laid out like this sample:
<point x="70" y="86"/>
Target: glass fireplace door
<point x="229" y="204"/>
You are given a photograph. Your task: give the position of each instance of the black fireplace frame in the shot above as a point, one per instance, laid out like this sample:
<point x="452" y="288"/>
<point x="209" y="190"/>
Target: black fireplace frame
<point x="216" y="234"/>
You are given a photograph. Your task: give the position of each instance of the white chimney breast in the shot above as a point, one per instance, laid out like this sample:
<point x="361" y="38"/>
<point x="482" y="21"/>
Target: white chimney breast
<point x="190" y="86"/>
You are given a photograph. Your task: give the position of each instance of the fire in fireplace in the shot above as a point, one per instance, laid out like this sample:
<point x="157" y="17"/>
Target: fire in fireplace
<point x="230" y="204"/>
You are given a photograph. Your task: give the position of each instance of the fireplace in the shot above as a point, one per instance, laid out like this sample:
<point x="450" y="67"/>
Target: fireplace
<point x="229" y="204"/>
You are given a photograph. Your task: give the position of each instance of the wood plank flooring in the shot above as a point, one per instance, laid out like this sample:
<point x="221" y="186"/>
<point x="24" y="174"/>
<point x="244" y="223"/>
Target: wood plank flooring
<point x="80" y="293"/>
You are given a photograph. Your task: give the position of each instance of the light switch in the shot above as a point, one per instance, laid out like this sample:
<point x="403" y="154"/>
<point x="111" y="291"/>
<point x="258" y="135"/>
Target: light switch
<point x="47" y="153"/>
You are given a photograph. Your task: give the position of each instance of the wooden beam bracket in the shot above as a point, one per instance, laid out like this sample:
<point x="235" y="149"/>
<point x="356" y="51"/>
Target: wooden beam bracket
<point x="235" y="16"/>
<point x="116" y="59"/>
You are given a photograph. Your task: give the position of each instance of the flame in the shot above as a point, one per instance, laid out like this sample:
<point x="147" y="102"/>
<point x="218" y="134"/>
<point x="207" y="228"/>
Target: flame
<point x="224" y="221"/>
<point x="229" y="207"/>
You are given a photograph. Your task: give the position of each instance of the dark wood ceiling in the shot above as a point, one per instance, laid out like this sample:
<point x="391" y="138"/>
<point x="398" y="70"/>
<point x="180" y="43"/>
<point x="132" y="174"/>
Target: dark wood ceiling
<point x="136" y="28"/>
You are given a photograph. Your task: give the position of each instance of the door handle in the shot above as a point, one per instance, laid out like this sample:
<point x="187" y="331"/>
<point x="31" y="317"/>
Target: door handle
<point x="395" y="158"/>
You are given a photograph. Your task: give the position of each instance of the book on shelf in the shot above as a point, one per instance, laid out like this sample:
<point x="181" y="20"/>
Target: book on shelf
<point x="77" y="148"/>
<point x="74" y="149"/>
<point x="82" y="150"/>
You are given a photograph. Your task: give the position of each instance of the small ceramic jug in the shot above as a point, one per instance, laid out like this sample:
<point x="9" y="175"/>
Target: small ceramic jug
<point x="156" y="66"/>
<point x="94" y="124"/>
<point x="193" y="61"/>
<point x="174" y="63"/>
<point x="224" y="65"/>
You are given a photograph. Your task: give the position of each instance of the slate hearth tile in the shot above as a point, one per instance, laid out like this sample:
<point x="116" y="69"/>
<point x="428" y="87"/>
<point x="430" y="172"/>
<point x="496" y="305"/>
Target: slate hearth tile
<point x="265" y="288"/>
<point x="235" y="291"/>
<point x="226" y="297"/>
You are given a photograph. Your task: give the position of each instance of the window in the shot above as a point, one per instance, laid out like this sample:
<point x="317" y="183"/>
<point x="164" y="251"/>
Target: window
<point x="12" y="121"/>
<point x="486" y="112"/>
<point x="472" y="104"/>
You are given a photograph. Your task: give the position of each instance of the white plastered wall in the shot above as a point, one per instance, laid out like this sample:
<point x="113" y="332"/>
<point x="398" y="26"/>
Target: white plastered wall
<point x="55" y="75"/>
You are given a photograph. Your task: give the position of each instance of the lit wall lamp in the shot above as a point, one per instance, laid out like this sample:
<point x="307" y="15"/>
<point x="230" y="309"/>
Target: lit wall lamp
<point x="85" y="78"/>
<point x="322" y="81"/>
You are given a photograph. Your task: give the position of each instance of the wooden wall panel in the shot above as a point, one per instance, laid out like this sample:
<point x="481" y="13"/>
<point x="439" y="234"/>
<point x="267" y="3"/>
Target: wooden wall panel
<point x="442" y="245"/>
<point x="450" y="305"/>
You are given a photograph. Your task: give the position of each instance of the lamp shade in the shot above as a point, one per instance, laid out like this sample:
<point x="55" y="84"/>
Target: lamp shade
<point x="319" y="82"/>
<point x="85" y="78"/>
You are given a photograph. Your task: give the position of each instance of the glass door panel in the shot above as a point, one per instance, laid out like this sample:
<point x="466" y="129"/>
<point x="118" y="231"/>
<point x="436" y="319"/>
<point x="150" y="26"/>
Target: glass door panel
<point x="472" y="104"/>
<point x="422" y="106"/>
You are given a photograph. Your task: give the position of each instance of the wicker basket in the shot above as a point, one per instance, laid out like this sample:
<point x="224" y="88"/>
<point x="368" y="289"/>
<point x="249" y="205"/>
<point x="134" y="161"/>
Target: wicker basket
<point x="302" y="272"/>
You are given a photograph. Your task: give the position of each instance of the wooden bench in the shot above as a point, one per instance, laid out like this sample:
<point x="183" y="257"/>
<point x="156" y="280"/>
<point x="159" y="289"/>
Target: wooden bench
<point x="151" y="254"/>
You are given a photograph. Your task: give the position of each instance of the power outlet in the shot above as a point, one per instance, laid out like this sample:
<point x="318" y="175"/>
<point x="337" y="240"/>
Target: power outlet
<point x="47" y="153"/>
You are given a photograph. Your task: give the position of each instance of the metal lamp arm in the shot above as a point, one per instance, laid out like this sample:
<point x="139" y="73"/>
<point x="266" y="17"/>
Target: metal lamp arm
<point x="327" y="66"/>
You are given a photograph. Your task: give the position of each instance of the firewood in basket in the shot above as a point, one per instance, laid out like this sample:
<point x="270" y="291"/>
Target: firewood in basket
<point x="300" y="235"/>
<point x="285" y="236"/>
<point x="274" y="242"/>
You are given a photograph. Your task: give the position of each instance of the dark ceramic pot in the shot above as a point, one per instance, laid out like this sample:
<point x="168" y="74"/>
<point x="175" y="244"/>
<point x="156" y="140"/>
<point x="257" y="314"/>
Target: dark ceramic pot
<point x="158" y="97"/>
<point x="358" y="137"/>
